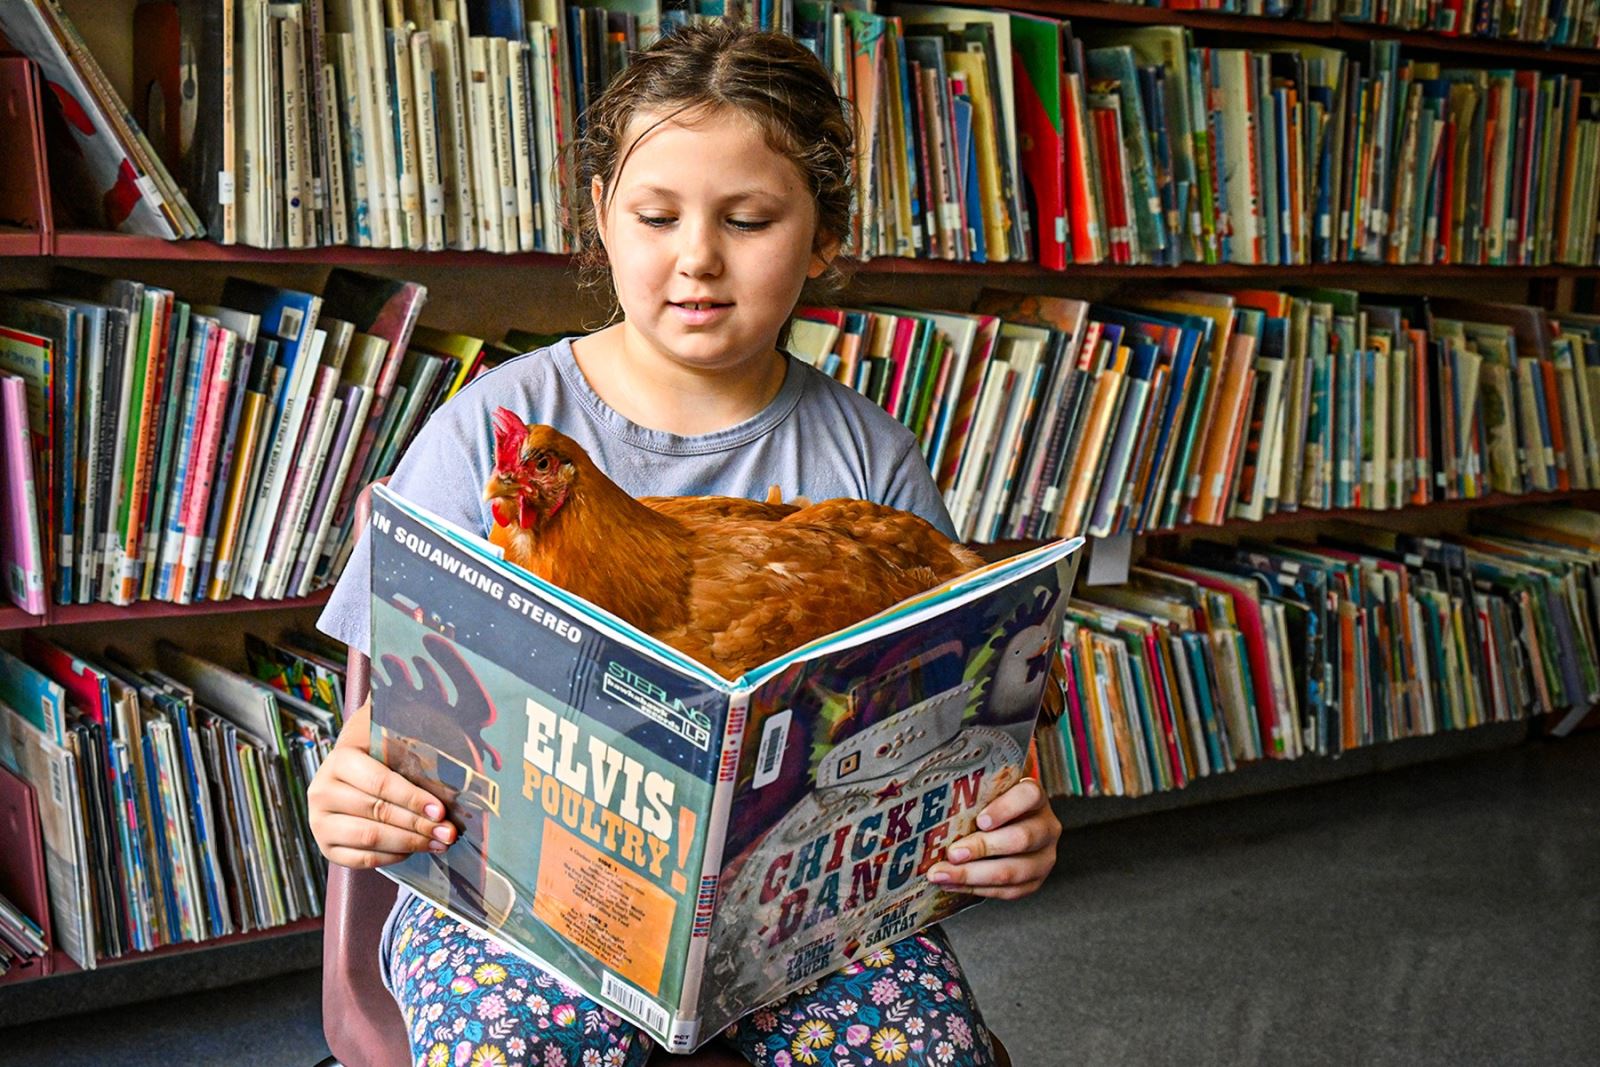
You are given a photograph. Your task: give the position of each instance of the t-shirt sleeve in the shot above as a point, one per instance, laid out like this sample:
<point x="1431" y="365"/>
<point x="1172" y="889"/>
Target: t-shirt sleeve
<point x="911" y="488"/>
<point x="443" y="471"/>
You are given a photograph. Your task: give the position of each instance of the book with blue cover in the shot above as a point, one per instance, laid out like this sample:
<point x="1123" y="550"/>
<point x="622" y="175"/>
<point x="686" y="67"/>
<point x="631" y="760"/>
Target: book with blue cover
<point x="683" y="847"/>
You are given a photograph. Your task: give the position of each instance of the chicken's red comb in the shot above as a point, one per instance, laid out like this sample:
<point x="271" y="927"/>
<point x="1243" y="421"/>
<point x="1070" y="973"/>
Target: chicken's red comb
<point x="509" y="433"/>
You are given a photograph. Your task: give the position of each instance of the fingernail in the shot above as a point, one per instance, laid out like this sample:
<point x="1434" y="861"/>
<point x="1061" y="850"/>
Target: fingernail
<point x="959" y="855"/>
<point x="442" y="833"/>
<point x="437" y="846"/>
<point x="939" y="876"/>
<point x="984" y="822"/>
<point x="434" y="811"/>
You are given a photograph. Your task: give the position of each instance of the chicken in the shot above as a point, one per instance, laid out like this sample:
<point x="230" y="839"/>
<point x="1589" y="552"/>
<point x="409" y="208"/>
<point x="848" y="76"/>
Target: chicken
<point x="733" y="583"/>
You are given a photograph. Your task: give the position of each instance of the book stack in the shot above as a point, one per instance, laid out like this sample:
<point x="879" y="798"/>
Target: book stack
<point x="172" y="798"/>
<point x="1545" y="22"/>
<point x="1244" y="652"/>
<point x="1572" y="25"/>
<point x="117" y="180"/>
<point x="21" y="939"/>
<point x="187" y="452"/>
<point x="1044" y="416"/>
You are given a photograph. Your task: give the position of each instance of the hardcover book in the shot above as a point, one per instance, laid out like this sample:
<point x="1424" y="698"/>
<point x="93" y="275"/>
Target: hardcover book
<point x="684" y="847"/>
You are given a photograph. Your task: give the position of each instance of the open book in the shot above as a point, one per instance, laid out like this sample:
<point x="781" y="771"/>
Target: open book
<point x="682" y="847"/>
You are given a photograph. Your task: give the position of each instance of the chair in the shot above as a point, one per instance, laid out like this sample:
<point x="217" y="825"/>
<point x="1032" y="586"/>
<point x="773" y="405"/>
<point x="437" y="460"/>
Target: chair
<point x="360" y="1020"/>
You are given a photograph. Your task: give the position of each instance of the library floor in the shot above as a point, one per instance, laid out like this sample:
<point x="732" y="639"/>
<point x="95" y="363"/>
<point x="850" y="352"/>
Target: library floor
<point x="1447" y="913"/>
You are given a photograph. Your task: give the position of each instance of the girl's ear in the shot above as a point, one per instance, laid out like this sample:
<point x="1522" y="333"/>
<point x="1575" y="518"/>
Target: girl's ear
<point x="822" y="257"/>
<point x="597" y="196"/>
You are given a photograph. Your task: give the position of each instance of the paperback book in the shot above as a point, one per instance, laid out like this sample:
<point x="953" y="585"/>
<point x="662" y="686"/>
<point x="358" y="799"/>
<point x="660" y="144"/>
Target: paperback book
<point x="683" y="847"/>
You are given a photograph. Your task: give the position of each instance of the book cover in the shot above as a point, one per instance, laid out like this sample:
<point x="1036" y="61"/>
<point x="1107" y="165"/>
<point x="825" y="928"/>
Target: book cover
<point x="683" y="846"/>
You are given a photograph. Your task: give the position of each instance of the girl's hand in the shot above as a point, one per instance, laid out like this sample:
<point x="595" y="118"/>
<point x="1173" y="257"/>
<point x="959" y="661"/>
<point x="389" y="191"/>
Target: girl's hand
<point x="1013" y="850"/>
<point x="365" y="815"/>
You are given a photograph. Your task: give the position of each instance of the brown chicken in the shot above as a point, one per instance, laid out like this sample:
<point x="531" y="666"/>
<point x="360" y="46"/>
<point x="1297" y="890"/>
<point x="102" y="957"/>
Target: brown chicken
<point x="733" y="583"/>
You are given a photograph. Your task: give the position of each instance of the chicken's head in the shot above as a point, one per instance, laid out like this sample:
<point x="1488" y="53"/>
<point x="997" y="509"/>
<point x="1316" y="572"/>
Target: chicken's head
<point x="535" y="473"/>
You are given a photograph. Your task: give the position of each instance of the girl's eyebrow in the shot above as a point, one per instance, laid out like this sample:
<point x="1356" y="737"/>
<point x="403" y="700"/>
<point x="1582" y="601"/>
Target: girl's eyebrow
<point x="665" y="193"/>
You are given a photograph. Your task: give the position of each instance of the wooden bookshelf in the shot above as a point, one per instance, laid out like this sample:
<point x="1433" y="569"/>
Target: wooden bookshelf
<point x="63" y="964"/>
<point x="1501" y="50"/>
<point x="196" y="259"/>
<point x="16" y="241"/>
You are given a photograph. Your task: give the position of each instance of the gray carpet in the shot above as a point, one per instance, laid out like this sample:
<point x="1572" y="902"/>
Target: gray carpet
<point x="1442" y="914"/>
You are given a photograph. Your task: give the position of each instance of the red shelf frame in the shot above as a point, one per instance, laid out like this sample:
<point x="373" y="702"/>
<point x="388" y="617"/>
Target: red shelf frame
<point x="77" y="244"/>
<point x="12" y="618"/>
<point x="15" y="241"/>
<point x="82" y="244"/>
<point x="63" y="964"/>
<point x="1577" y="497"/>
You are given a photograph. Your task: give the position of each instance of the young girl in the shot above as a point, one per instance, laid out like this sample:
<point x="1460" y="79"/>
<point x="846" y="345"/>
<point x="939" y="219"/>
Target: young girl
<point x="718" y="167"/>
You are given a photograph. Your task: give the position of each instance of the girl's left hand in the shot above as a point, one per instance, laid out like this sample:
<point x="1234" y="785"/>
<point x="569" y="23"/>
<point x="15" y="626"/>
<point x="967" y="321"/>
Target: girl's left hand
<point x="1012" y="851"/>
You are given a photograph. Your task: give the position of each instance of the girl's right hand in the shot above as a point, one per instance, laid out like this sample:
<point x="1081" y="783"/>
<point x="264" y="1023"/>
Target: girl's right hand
<point x="365" y="815"/>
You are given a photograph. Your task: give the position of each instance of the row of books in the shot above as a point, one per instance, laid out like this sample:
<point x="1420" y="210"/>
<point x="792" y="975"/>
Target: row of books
<point x="984" y="135"/>
<point x="187" y="452"/>
<point x="994" y="136"/>
<point x="171" y="796"/>
<point x="1543" y="21"/>
<point x="1244" y="652"/>
<point x="1049" y="416"/>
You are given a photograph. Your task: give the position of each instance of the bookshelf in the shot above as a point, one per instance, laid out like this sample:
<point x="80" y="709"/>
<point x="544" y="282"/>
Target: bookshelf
<point x="468" y="291"/>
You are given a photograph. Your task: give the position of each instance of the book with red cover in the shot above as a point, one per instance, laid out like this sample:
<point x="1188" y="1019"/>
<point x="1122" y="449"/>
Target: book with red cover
<point x="1037" y="65"/>
<point x="22" y="877"/>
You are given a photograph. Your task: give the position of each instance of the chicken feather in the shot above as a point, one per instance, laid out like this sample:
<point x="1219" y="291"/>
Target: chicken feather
<point x="733" y="583"/>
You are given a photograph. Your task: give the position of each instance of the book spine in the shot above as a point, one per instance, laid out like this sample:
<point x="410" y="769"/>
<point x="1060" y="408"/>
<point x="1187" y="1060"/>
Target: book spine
<point x="521" y="145"/>
<point x="403" y="108"/>
<point x="429" y="159"/>
<point x="193" y="399"/>
<point x="500" y="126"/>
<point x="711" y="862"/>
<point x="461" y="220"/>
<point x="485" y="170"/>
<point x="219" y="386"/>
<point x="292" y="99"/>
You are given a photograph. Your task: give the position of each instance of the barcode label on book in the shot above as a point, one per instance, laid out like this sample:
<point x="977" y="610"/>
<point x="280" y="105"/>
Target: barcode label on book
<point x="58" y="788"/>
<point x="769" y="760"/>
<point x="634" y="1002"/>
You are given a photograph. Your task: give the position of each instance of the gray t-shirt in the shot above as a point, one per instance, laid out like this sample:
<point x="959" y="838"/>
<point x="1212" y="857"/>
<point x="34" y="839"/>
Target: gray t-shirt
<point x="817" y="439"/>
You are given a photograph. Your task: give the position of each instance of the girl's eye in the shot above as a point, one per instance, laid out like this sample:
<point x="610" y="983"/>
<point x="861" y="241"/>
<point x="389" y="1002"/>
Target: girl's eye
<point x="749" y="225"/>
<point x="655" y="222"/>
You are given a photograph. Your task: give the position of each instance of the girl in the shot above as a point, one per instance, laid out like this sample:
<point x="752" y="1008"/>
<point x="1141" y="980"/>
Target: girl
<point x="718" y="167"/>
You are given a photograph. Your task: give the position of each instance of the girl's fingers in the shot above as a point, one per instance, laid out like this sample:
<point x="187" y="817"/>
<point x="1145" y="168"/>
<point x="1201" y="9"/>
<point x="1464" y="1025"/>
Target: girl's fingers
<point x="1024" y="797"/>
<point x="357" y="859"/>
<point x="344" y="798"/>
<point x="373" y="778"/>
<point x="1006" y="878"/>
<point x="1012" y="840"/>
<point x="357" y="834"/>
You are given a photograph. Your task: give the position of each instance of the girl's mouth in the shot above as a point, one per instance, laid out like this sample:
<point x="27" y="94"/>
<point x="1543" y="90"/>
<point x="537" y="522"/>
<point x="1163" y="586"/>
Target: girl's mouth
<point x="699" y="312"/>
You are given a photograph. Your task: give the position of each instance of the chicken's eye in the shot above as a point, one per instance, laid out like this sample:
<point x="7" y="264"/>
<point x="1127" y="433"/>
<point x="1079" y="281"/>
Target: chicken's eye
<point x="543" y="463"/>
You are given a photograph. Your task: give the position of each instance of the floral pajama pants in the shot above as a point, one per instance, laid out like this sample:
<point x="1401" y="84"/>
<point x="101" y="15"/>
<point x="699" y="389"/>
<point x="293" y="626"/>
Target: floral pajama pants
<point x="470" y="1002"/>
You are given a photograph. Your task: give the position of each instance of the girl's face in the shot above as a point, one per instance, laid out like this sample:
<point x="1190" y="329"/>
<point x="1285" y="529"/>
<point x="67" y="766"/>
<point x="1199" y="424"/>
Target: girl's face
<point x="710" y="235"/>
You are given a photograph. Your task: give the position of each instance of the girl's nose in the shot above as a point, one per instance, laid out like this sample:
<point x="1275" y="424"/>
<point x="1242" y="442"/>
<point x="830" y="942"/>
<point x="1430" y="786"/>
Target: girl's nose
<point x="699" y="255"/>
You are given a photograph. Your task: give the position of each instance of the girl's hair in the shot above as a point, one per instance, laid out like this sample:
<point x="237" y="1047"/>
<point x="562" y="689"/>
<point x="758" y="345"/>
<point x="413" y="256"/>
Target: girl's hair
<point x="706" y="68"/>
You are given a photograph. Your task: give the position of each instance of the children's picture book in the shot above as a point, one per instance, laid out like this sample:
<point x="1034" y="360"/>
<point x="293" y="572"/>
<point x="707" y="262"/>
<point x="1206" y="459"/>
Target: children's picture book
<point x="683" y="847"/>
